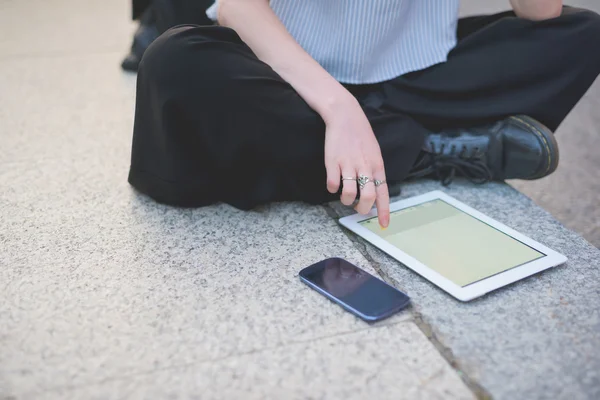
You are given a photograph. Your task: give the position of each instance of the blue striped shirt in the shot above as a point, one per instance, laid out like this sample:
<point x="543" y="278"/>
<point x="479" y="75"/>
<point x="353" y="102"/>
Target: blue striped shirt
<point x="370" y="41"/>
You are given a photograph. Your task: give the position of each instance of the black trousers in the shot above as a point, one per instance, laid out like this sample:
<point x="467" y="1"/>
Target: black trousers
<point x="214" y="123"/>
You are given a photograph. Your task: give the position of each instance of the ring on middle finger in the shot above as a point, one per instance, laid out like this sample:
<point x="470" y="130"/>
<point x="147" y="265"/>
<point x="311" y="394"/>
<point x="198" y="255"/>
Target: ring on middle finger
<point x="362" y="181"/>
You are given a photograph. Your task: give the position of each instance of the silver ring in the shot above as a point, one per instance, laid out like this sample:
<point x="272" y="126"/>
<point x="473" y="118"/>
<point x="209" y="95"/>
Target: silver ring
<point x="348" y="179"/>
<point x="377" y="182"/>
<point x="362" y="181"/>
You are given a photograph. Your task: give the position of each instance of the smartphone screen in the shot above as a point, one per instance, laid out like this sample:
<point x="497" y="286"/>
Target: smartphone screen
<point x="354" y="289"/>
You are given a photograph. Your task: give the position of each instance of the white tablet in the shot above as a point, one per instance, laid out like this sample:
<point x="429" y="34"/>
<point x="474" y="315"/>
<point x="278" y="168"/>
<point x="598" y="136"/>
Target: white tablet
<point x="454" y="246"/>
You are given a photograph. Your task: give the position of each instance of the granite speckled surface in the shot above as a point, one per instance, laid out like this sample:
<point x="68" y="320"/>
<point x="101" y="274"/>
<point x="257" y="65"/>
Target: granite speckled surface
<point x="120" y="287"/>
<point x="121" y="296"/>
<point x="105" y="294"/>
<point x="535" y="339"/>
<point x="401" y="364"/>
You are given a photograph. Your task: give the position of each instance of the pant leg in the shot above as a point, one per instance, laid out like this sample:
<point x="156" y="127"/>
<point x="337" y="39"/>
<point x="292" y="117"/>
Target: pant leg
<point x="504" y="66"/>
<point x="214" y="123"/>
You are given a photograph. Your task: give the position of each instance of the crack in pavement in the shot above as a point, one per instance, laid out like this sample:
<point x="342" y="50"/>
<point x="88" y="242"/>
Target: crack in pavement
<point x="425" y="327"/>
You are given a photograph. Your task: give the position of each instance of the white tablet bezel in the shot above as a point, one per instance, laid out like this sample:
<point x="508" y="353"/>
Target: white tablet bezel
<point x="473" y="290"/>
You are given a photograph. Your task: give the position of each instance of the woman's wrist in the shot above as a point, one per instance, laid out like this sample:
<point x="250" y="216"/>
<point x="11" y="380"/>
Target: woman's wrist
<point x="338" y="105"/>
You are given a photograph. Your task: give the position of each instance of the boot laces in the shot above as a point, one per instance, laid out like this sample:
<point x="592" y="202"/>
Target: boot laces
<point x="445" y="167"/>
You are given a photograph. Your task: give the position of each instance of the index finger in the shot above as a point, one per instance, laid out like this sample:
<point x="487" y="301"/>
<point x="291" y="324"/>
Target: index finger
<point x="383" y="204"/>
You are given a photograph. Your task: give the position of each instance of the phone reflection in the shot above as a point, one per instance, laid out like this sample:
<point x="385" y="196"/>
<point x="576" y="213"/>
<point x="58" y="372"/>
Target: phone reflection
<point x="341" y="278"/>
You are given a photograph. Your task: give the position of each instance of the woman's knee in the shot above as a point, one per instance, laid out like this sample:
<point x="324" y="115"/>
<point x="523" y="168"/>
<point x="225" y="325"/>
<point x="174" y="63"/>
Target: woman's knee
<point x="188" y="55"/>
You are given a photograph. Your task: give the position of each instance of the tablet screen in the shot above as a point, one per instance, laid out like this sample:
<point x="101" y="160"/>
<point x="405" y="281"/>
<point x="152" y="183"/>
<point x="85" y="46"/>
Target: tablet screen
<point x="456" y="245"/>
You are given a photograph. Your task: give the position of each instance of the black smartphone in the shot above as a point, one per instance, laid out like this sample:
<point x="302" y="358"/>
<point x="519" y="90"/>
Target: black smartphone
<point x="354" y="289"/>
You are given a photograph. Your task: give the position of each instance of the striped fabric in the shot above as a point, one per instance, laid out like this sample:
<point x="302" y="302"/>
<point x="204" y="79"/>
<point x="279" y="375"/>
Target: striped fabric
<point x="370" y="41"/>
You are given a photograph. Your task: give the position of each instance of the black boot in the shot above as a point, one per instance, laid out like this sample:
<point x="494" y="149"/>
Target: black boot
<point x="146" y="33"/>
<point x="518" y="147"/>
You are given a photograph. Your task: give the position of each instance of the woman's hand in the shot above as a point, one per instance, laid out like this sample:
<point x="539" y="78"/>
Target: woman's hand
<point x="351" y="150"/>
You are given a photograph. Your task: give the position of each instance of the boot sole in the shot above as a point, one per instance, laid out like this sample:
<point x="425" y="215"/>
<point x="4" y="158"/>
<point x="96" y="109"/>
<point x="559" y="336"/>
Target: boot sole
<point x="547" y="141"/>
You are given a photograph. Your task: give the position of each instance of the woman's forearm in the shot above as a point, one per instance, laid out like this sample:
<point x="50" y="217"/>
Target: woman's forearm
<point x="268" y="38"/>
<point x="537" y="10"/>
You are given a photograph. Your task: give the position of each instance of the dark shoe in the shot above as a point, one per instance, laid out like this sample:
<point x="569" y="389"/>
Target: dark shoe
<point x="517" y="147"/>
<point x="146" y="33"/>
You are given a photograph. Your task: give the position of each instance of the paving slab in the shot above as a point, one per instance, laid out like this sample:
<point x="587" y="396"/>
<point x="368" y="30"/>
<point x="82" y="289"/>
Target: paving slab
<point x="535" y="339"/>
<point x="116" y="285"/>
<point x="117" y="288"/>
<point x="401" y="364"/>
<point x="106" y="294"/>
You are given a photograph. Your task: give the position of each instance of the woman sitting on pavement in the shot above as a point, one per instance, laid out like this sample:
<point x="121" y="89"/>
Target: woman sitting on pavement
<point x="312" y="100"/>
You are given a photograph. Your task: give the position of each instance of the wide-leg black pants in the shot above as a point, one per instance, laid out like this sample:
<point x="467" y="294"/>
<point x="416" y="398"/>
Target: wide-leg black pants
<point x="214" y="123"/>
